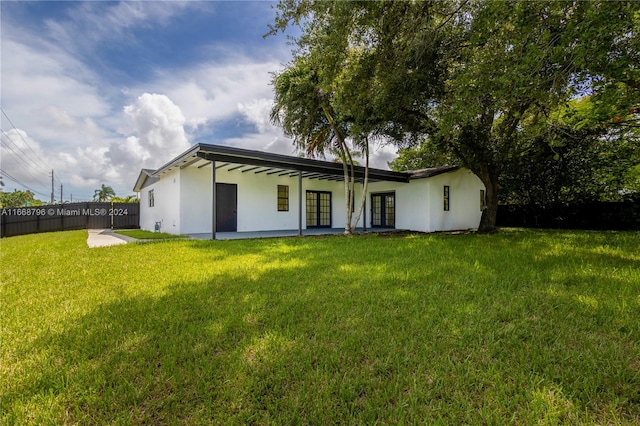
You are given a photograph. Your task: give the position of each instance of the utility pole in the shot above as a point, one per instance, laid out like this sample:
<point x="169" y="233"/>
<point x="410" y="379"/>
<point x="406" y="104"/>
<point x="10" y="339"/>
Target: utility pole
<point x="61" y="199"/>
<point x="51" y="186"/>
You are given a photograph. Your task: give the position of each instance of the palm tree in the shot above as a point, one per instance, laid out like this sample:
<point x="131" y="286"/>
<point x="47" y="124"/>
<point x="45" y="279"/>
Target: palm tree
<point x="306" y="113"/>
<point x="105" y="193"/>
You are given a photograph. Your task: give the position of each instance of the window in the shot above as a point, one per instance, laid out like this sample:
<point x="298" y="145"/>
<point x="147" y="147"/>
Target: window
<point x="283" y="198"/>
<point x="483" y="200"/>
<point x="446" y="198"/>
<point x="152" y="200"/>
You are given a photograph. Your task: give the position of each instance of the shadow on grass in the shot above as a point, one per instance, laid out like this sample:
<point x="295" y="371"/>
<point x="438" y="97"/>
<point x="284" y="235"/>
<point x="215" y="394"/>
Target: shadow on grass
<point x="334" y="331"/>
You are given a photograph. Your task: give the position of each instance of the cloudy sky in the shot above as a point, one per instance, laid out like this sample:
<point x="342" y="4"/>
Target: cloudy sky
<point x="98" y="90"/>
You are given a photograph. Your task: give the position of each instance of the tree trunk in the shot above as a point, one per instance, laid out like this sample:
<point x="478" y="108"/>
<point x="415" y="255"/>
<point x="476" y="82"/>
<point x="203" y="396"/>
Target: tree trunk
<point x="490" y="213"/>
<point x="343" y="156"/>
<point x="364" y="185"/>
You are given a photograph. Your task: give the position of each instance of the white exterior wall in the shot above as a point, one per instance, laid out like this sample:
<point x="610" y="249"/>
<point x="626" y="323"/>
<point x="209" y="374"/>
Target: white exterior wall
<point x="195" y="200"/>
<point x="166" y="208"/>
<point x="420" y="203"/>
<point x="406" y="202"/>
<point x="257" y="208"/>
<point x="464" y="201"/>
<point x="183" y="201"/>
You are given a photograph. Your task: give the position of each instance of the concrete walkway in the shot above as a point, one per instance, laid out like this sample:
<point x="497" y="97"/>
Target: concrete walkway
<point x="105" y="238"/>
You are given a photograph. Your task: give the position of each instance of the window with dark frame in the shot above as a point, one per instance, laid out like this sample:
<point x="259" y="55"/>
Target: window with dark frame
<point x="152" y="200"/>
<point x="283" y="198"/>
<point x="447" y="206"/>
<point x="483" y="200"/>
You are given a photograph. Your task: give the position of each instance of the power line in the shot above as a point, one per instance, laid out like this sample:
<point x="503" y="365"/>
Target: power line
<point x="27" y="163"/>
<point x="23" y="139"/>
<point x="7" y="175"/>
<point x="28" y="159"/>
<point x="18" y="152"/>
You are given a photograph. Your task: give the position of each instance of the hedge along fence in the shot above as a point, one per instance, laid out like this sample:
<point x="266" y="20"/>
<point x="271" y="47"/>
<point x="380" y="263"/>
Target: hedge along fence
<point x="593" y="215"/>
<point x="63" y="217"/>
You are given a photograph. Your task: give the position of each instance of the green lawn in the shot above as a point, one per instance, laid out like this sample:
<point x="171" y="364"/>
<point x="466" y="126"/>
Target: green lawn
<point x="521" y="327"/>
<point x="148" y="235"/>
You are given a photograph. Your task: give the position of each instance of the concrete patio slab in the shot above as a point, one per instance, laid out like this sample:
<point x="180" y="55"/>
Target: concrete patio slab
<point x="279" y="233"/>
<point x="106" y="238"/>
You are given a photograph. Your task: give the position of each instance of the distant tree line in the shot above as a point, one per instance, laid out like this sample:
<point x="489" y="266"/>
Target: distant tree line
<point x="18" y="199"/>
<point x="25" y="198"/>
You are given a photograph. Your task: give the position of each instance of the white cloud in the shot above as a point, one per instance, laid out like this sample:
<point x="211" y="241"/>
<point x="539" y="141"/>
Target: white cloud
<point x="212" y="91"/>
<point x="258" y="112"/>
<point x="159" y="124"/>
<point x="47" y="89"/>
<point x="268" y="137"/>
<point x="53" y="100"/>
<point x="157" y="136"/>
<point x="381" y="154"/>
<point x="22" y="159"/>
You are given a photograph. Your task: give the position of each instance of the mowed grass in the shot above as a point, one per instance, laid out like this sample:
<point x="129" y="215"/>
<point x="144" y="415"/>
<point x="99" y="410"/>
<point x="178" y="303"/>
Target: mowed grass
<point x="148" y="235"/>
<point x="522" y="327"/>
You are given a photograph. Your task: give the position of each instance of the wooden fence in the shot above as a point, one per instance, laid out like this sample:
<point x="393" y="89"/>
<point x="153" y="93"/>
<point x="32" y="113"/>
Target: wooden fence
<point x="594" y="215"/>
<point x="63" y="217"/>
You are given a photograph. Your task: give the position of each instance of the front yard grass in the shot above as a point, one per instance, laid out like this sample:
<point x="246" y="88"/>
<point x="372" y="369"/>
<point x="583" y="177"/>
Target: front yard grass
<point x="522" y="327"/>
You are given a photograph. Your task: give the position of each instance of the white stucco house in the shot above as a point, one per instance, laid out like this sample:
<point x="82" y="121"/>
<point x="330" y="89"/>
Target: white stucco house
<point x="213" y="189"/>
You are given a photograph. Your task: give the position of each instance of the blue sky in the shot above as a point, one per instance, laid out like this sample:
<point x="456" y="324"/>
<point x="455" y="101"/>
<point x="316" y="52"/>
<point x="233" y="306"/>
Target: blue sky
<point x="98" y="90"/>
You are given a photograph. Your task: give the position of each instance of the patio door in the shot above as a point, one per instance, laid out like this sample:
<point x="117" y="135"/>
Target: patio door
<point x="318" y="209"/>
<point x="383" y="210"/>
<point x="226" y="207"/>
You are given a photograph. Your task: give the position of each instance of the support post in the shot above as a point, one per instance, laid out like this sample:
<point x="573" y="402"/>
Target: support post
<point x="213" y="200"/>
<point x="300" y="203"/>
<point x="364" y="214"/>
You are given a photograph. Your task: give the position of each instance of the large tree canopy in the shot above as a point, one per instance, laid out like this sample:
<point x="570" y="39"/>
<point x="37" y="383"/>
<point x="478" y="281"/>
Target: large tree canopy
<point x="469" y="75"/>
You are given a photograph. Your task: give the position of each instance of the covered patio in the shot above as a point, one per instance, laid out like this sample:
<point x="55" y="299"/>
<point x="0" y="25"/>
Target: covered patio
<point x="234" y="181"/>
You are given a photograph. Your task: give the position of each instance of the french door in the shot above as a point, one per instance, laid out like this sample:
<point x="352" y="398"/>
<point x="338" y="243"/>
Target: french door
<point x="318" y="209"/>
<point x="383" y="210"/>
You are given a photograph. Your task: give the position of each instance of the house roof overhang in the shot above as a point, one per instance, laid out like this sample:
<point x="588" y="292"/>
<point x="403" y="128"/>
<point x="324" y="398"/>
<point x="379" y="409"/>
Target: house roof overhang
<point x="257" y="162"/>
<point x="430" y="172"/>
<point x="246" y="160"/>
<point x="144" y="175"/>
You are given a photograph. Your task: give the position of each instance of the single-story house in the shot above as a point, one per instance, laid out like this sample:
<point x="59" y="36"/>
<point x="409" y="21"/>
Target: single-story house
<point x="214" y="188"/>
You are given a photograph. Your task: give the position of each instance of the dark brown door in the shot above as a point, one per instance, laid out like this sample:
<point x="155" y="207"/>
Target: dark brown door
<point x="226" y="207"/>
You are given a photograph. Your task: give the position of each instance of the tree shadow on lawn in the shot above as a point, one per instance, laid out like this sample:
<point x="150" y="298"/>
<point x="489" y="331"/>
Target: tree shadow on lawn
<point x="298" y="343"/>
